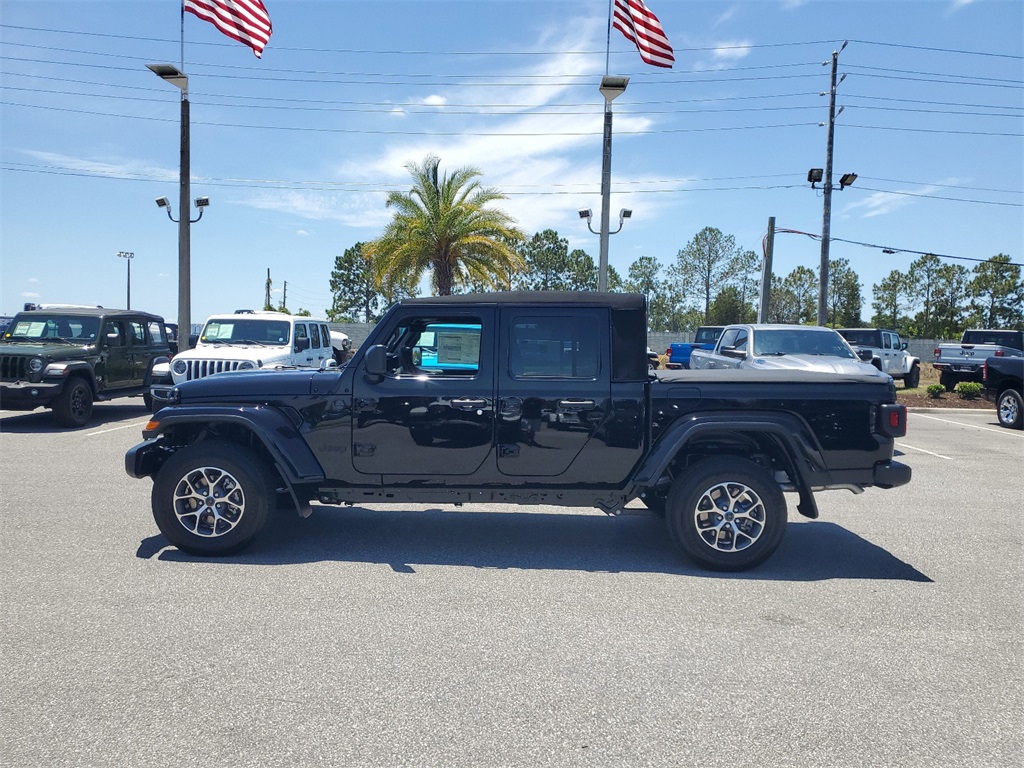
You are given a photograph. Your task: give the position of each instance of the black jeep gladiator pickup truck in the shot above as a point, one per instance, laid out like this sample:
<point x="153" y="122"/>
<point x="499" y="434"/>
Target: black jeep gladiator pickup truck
<point x="528" y="398"/>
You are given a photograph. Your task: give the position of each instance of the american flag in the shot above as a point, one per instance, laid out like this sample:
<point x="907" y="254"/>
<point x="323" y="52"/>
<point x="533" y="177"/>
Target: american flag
<point x="246" y="21"/>
<point x="641" y="27"/>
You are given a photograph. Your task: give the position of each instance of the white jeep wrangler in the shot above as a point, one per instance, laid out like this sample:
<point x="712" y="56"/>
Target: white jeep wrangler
<point x="888" y="353"/>
<point x="250" y="340"/>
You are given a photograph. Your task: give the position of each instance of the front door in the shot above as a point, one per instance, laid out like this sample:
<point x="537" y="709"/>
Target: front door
<point x="116" y="355"/>
<point x="554" y="388"/>
<point x="433" y="412"/>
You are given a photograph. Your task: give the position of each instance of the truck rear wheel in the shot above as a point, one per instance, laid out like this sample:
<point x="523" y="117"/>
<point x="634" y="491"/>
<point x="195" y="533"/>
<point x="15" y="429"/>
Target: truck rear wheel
<point x="948" y="380"/>
<point x="912" y="379"/>
<point x="212" y="498"/>
<point x="727" y="514"/>
<point x="1010" y="409"/>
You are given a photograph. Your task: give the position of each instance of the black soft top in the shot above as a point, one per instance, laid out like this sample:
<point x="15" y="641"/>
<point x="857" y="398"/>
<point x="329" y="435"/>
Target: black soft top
<point x="92" y="312"/>
<point x="580" y="298"/>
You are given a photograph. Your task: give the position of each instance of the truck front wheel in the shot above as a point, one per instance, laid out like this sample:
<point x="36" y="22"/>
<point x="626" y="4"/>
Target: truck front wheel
<point x="212" y="498"/>
<point x="727" y="514"/>
<point x="912" y="379"/>
<point x="73" y="407"/>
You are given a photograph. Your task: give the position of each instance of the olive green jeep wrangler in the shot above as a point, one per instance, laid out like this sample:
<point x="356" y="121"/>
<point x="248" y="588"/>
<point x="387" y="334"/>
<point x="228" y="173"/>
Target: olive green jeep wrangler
<point x="66" y="358"/>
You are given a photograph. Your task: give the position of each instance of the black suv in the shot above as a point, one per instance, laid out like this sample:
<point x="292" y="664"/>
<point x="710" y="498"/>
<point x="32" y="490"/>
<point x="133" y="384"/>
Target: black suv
<point x="69" y="357"/>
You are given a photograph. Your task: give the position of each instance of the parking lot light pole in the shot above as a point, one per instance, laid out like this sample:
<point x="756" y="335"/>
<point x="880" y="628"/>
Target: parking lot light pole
<point x="128" y="256"/>
<point x="179" y="79"/>
<point x="612" y="86"/>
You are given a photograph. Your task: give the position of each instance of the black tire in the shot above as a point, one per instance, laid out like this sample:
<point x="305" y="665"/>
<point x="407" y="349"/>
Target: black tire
<point x="182" y="504"/>
<point x="948" y="380"/>
<point x="912" y="379"/>
<point x="147" y="400"/>
<point x="1010" y="409"/>
<point x="73" y="407"/>
<point x="727" y="514"/>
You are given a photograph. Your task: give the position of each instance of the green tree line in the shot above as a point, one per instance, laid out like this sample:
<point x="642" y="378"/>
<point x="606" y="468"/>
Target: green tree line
<point x="446" y="228"/>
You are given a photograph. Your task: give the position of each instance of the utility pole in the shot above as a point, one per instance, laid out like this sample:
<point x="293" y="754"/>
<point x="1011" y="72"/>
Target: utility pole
<point x="284" y="296"/>
<point x="766" y="272"/>
<point x="826" y="220"/>
<point x="266" y="301"/>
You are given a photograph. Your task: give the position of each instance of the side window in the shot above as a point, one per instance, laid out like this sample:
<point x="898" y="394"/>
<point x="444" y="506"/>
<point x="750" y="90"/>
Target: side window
<point x="156" y="333"/>
<point x="560" y="347"/>
<point x="435" y="347"/>
<point x="300" y="333"/>
<point x="729" y="338"/>
<point x="113" y="334"/>
<point x="887" y="340"/>
<point x="325" y="336"/>
<point x="137" y="333"/>
<point x="314" y="337"/>
<point x="741" y="340"/>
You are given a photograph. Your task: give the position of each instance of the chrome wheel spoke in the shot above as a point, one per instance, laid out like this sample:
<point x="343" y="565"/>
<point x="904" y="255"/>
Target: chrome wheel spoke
<point x="729" y="517"/>
<point x="208" y="502"/>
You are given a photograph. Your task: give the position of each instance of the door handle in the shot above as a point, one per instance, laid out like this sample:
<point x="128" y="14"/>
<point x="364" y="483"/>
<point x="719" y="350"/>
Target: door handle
<point x="576" y="405"/>
<point x="468" y="403"/>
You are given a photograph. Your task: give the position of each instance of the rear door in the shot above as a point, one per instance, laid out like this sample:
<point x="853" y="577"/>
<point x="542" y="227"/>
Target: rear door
<point x="554" y="388"/>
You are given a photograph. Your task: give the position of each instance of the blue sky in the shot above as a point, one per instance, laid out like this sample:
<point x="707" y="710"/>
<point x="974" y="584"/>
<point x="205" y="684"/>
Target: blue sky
<point x="296" y="151"/>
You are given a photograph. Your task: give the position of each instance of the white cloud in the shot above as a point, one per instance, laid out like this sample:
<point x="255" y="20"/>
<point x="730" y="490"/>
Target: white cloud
<point x="398" y="112"/>
<point x="884" y="203"/>
<point x="29" y="295"/>
<point x="302" y="233"/>
<point x="119" y="169"/>
<point x="725" y="16"/>
<point x="435" y="100"/>
<point x="789" y="5"/>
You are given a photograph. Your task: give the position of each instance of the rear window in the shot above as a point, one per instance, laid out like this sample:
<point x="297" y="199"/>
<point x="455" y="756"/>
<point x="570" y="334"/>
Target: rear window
<point x="707" y="335"/>
<point x="862" y="338"/>
<point x="1011" y="339"/>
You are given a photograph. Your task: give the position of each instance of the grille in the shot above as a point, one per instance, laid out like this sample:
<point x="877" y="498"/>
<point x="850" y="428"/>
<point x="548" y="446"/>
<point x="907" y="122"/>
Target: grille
<point x="13" y="367"/>
<point x="198" y="369"/>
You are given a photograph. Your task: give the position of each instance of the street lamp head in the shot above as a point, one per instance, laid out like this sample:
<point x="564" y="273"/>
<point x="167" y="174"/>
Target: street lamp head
<point x="585" y="213"/>
<point x="202" y="202"/>
<point x="625" y="213"/>
<point x="613" y="86"/>
<point x="126" y="254"/>
<point x="163" y="202"/>
<point x="815" y="175"/>
<point x="171" y="74"/>
<point x="846" y="180"/>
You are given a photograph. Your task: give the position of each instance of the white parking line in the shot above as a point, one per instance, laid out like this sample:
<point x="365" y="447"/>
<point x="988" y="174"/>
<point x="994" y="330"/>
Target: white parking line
<point x="1000" y="431"/>
<point x="922" y="450"/>
<point x="135" y="425"/>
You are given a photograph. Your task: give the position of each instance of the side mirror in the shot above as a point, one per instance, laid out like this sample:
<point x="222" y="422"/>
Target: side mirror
<point x="375" y="362"/>
<point x="903" y="345"/>
<point x="865" y="355"/>
<point x="301" y="345"/>
<point x="739" y="354"/>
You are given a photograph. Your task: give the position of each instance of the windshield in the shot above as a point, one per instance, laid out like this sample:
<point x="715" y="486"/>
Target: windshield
<point x="707" y="335"/>
<point x="40" y="326"/>
<point x="799" y="341"/>
<point x="246" y="331"/>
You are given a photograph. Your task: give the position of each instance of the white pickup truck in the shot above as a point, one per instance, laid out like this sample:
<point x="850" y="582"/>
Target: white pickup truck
<point x="964" y="361"/>
<point x="888" y="353"/>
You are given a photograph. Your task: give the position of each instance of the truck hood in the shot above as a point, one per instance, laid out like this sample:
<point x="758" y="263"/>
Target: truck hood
<point x="242" y="386"/>
<point x="59" y="350"/>
<point x="817" y="363"/>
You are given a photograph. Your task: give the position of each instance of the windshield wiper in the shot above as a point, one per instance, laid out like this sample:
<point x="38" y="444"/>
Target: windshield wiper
<point x="249" y="341"/>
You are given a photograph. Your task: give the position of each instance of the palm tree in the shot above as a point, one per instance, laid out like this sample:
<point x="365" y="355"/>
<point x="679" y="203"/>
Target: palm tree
<point x="443" y="225"/>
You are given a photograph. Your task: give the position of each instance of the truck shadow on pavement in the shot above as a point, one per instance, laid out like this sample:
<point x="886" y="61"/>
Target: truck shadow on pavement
<point x="103" y="414"/>
<point x="635" y="542"/>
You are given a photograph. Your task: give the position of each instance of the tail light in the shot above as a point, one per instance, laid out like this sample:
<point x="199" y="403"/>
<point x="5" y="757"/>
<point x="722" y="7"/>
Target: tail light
<point x="936" y="353"/>
<point x="984" y="371"/>
<point x="893" y="420"/>
<point x="999" y="353"/>
<point x="669" y="351"/>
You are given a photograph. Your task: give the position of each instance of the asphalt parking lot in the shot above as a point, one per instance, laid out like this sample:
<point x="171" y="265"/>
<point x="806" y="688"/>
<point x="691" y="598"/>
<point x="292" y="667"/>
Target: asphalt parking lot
<point x="887" y="632"/>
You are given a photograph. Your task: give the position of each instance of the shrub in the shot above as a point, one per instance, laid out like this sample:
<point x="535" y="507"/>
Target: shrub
<point x="936" y="391"/>
<point x="968" y="390"/>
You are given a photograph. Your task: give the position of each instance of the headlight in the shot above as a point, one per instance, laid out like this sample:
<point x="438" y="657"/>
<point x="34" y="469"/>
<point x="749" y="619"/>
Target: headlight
<point x="179" y="367"/>
<point x="246" y="365"/>
<point x="35" y="364"/>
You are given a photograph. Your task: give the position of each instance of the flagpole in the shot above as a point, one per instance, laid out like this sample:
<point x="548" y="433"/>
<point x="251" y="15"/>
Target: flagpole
<point x="608" y="39"/>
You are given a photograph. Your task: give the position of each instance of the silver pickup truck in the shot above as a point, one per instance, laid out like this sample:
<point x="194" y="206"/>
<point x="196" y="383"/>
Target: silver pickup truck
<point x="964" y="361"/>
<point x="794" y="347"/>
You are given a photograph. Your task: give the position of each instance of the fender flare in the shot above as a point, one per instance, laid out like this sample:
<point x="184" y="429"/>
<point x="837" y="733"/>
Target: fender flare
<point x="85" y="370"/>
<point x="271" y="426"/>
<point x="787" y="431"/>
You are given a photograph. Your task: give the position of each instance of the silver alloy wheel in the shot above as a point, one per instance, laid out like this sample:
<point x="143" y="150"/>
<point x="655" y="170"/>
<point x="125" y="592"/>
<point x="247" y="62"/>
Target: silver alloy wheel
<point x="1008" y="409"/>
<point x="208" y="502"/>
<point x="729" y="517"/>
